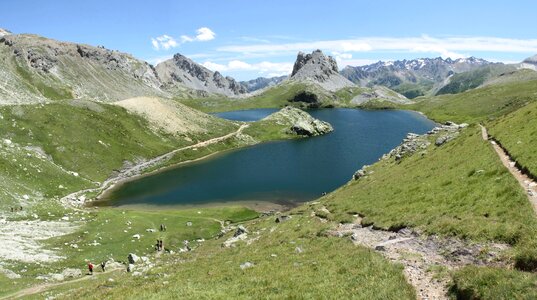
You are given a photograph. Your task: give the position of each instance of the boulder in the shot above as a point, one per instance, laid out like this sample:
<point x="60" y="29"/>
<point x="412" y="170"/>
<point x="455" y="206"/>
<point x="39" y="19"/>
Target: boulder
<point x="71" y="273"/>
<point x="133" y="258"/>
<point x="299" y="122"/>
<point x="240" y="230"/>
<point x="246" y="265"/>
<point x="282" y="218"/>
<point x="359" y="174"/>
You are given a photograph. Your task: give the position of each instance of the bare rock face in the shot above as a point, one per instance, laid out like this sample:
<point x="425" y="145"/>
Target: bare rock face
<point x="38" y="69"/>
<point x="300" y="122"/>
<point x="320" y="69"/>
<point x="182" y="72"/>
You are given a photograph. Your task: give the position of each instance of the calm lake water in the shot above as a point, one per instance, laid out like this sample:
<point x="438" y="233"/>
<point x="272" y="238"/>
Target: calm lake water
<point x="281" y="172"/>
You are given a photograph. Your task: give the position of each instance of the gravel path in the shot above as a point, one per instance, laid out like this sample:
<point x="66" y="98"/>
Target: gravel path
<point x="528" y="184"/>
<point x="423" y="257"/>
<point x="73" y="198"/>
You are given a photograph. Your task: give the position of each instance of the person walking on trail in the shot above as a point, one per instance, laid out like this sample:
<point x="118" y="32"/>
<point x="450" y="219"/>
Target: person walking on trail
<point x="161" y="246"/>
<point x="157" y="245"/>
<point x="103" y="266"/>
<point x="90" y="268"/>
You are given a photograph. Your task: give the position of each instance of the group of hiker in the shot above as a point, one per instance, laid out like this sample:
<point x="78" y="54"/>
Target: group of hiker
<point x="90" y="267"/>
<point x="159" y="246"/>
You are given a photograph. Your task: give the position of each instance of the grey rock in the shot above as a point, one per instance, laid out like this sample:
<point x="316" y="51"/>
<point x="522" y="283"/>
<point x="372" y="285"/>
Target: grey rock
<point x="133" y="258"/>
<point x="181" y="72"/>
<point x="319" y="68"/>
<point x="71" y="273"/>
<point x="300" y="122"/>
<point x="246" y="265"/>
<point x="380" y="248"/>
<point x="240" y="230"/>
<point x="282" y="218"/>
<point x="359" y="174"/>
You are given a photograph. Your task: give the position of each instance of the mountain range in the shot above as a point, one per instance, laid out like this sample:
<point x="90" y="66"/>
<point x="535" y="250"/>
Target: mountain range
<point x="37" y="69"/>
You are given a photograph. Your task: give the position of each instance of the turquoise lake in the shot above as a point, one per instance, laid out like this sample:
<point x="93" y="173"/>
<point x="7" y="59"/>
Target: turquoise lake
<point x="283" y="172"/>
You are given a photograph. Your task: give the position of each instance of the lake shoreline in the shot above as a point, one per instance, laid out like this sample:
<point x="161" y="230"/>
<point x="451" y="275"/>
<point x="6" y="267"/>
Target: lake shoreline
<point x="276" y="165"/>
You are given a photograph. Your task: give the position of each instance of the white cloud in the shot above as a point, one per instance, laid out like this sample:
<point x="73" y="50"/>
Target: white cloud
<point x="167" y="42"/>
<point x="186" y="38"/>
<point x="205" y="34"/>
<point x="163" y="42"/>
<point x="453" y="47"/>
<point x="265" y="67"/>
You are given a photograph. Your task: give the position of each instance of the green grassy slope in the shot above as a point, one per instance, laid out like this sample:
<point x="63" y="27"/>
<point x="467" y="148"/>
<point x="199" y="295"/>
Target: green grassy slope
<point x="493" y="283"/>
<point x="458" y="189"/>
<point x="91" y="139"/>
<point x="479" y="104"/>
<point x="274" y="97"/>
<point x="518" y="133"/>
<point x="461" y="82"/>
<point x="324" y="267"/>
<point x="108" y="234"/>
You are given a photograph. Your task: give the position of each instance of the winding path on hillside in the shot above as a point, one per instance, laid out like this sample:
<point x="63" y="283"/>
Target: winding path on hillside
<point x="41" y="288"/>
<point x="139" y="168"/>
<point x="528" y="184"/>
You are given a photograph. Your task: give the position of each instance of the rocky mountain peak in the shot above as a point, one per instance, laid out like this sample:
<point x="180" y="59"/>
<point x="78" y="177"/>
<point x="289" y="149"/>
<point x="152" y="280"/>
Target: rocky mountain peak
<point x="319" y="68"/>
<point x="318" y="58"/>
<point x="181" y="72"/>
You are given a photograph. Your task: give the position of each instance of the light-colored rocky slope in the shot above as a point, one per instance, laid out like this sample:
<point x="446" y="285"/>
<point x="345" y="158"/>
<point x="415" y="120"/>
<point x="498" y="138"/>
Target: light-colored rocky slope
<point x="37" y="69"/>
<point x="169" y="116"/>
<point x="180" y="73"/>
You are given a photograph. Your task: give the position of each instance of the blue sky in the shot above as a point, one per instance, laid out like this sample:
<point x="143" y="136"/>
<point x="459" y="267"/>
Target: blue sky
<point x="247" y="39"/>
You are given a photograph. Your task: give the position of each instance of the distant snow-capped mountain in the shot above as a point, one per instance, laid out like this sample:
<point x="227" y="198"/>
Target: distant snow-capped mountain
<point x="414" y="77"/>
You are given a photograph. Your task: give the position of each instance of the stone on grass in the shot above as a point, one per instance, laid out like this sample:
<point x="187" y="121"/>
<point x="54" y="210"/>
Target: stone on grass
<point x="133" y="258"/>
<point x="246" y="265"/>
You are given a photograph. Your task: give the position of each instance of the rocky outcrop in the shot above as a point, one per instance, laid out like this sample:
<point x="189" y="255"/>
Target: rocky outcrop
<point x="181" y="72"/>
<point x="299" y="122"/>
<point x="414" y="142"/>
<point x="319" y="68"/>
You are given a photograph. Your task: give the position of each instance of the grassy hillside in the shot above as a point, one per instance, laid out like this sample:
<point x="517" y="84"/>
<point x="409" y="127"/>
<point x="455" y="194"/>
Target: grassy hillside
<point x="291" y="260"/>
<point x="277" y="96"/>
<point x="493" y="283"/>
<point x="88" y="138"/>
<point x="518" y="133"/>
<point x="458" y="189"/>
<point x="300" y="94"/>
<point x="478" y="104"/>
<point x="461" y="82"/>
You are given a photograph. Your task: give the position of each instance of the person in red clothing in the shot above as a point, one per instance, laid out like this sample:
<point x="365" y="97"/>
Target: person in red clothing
<point x="90" y="268"/>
